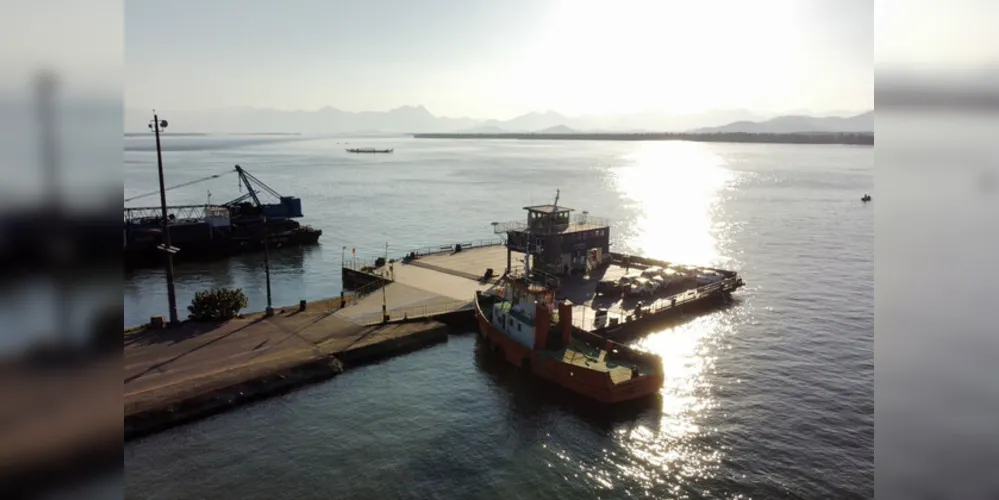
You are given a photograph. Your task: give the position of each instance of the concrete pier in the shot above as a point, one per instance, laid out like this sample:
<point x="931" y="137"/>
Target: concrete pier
<point x="429" y="286"/>
<point x="180" y="374"/>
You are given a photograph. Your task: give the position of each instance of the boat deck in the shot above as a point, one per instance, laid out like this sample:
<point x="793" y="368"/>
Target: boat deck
<point x="578" y="357"/>
<point x="581" y="291"/>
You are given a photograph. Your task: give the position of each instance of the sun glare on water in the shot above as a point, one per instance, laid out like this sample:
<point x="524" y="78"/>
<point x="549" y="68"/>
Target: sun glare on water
<point x="675" y="186"/>
<point x="675" y="189"/>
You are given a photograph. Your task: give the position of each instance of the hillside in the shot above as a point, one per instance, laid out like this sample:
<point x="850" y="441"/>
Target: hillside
<point x="558" y="129"/>
<point x="417" y="119"/>
<point x="794" y="124"/>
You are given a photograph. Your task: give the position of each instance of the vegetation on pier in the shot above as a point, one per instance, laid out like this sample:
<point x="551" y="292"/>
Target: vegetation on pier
<point x="217" y="304"/>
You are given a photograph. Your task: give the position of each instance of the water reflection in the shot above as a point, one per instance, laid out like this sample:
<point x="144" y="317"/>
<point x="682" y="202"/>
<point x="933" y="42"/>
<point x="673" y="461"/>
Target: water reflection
<point x="667" y="444"/>
<point x="675" y="187"/>
<point x="244" y="271"/>
<point x="655" y="442"/>
<point x="679" y="451"/>
<point x="531" y="396"/>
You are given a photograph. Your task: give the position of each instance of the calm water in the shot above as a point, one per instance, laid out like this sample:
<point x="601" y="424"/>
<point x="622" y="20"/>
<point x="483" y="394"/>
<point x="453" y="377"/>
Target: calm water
<point x="773" y="397"/>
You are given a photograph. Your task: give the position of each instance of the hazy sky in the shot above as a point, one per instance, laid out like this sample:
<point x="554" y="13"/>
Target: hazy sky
<point x="501" y="58"/>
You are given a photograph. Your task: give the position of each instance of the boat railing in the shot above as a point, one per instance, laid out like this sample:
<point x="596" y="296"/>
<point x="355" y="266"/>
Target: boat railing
<point x="365" y="264"/>
<point x="437" y="249"/>
<point x="639" y="262"/>
<point x="537" y="276"/>
<point x="179" y="212"/>
<point x="416" y="312"/>
<point x="513" y="225"/>
<point x="575" y="219"/>
<point x="724" y="285"/>
<point x="352" y="296"/>
<point x="589" y="219"/>
<point x="368" y="264"/>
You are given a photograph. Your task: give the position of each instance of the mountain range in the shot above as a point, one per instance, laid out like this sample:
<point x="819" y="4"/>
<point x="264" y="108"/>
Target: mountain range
<point x="416" y="119"/>
<point x="792" y="124"/>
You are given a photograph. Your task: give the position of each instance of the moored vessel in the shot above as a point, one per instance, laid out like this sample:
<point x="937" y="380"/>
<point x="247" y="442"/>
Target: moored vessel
<point x="521" y="320"/>
<point x="207" y="232"/>
<point x="369" y="150"/>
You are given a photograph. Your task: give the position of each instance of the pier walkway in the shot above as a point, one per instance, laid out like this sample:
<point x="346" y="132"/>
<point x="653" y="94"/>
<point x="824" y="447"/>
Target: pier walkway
<point x="167" y="366"/>
<point x="431" y="285"/>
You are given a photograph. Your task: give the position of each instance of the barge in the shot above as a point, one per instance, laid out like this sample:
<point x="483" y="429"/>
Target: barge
<point x="615" y="295"/>
<point x="208" y="232"/>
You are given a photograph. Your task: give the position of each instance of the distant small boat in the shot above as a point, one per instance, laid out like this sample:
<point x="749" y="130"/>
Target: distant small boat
<point x="866" y="198"/>
<point x="368" y="150"/>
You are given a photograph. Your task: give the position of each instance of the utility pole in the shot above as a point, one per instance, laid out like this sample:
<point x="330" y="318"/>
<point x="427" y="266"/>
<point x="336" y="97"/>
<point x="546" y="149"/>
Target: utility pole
<point x="168" y="249"/>
<point x="384" y="300"/>
<point x="343" y="262"/>
<point x="267" y="271"/>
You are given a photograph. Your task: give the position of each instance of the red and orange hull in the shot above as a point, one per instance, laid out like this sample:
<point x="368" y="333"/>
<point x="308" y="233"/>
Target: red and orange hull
<point x="590" y="383"/>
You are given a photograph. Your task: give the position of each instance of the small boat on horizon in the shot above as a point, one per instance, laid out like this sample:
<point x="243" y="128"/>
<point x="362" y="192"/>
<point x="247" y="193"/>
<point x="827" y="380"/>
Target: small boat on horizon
<point x="368" y="150"/>
<point x="522" y="321"/>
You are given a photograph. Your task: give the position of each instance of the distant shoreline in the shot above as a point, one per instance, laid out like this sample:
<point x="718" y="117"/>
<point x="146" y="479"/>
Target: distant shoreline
<point x="853" y="139"/>
<point x="204" y="134"/>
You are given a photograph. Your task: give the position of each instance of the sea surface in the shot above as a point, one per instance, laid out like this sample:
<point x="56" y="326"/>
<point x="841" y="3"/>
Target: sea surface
<point x="772" y="397"/>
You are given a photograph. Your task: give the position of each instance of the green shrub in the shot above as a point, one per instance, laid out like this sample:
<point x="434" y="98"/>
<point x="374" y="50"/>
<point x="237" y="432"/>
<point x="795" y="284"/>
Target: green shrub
<point x="217" y="304"/>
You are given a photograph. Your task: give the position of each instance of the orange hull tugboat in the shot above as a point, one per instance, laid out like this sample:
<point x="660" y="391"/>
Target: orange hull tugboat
<point x="518" y="318"/>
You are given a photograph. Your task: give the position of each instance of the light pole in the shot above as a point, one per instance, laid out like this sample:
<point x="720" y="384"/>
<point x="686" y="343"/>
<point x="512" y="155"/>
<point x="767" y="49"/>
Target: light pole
<point x="167" y="248"/>
<point x="267" y="270"/>
<point x="384" y="300"/>
<point x="343" y="262"/>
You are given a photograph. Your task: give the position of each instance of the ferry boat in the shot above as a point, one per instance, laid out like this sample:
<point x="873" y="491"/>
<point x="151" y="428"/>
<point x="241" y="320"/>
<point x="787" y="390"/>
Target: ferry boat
<point x="368" y="150"/>
<point x="519" y="318"/>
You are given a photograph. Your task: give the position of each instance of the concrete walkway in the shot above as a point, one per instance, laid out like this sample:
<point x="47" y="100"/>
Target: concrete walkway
<point x="430" y="285"/>
<point x="169" y="365"/>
